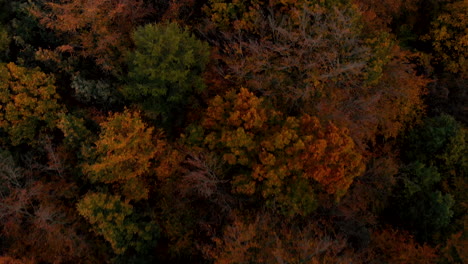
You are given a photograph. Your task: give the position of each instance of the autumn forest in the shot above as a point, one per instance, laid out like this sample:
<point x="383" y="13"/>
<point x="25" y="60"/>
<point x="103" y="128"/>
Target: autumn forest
<point x="233" y="131"/>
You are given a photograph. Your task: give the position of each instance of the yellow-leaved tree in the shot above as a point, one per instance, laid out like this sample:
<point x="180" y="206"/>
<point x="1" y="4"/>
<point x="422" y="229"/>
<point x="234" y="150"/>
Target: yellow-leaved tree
<point x="121" y="161"/>
<point x="28" y="103"/>
<point x="122" y="154"/>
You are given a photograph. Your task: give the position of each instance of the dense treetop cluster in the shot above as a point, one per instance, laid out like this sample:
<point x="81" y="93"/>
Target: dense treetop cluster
<point x="241" y="131"/>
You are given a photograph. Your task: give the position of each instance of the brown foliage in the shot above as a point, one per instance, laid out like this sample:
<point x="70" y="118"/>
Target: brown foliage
<point x="195" y="198"/>
<point x="396" y="247"/>
<point x="266" y="239"/>
<point x="98" y="29"/>
<point x="379" y="14"/>
<point x="318" y="61"/>
<point x="36" y="220"/>
<point x="10" y="260"/>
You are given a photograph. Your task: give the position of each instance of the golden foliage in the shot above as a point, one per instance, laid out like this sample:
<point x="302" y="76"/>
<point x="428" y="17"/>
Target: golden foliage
<point x="449" y="37"/>
<point x="29" y="102"/>
<point x="123" y="153"/>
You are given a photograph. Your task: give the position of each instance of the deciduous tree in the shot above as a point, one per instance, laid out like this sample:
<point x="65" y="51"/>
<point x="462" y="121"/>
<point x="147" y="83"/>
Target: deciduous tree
<point x="122" y="155"/>
<point x="37" y="218"/>
<point x="449" y="37"/>
<point x="265" y="239"/>
<point x="29" y="103"/>
<point x="91" y="28"/>
<point x="286" y="160"/>
<point x="116" y="222"/>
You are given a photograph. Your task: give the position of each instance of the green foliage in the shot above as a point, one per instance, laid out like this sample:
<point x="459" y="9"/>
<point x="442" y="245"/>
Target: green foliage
<point x="274" y="172"/>
<point x="315" y="58"/>
<point x="115" y="221"/>
<point x="381" y="55"/>
<point x="74" y="131"/>
<point x="440" y="141"/>
<point x="165" y="68"/>
<point x="419" y="206"/>
<point x="26" y="32"/>
<point x="29" y="103"/>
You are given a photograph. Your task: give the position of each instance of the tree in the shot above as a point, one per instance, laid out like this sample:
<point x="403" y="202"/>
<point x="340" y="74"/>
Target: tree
<point x="449" y="37"/>
<point x="116" y="222"/>
<point x="285" y="160"/>
<point x="122" y="160"/>
<point x="438" y="146"/>
<point x="37" y="218"/>
<point x="244" y="15"/>
<point x="29" y="103"/>
<point x="381" y="15"/>
<point x="165" y="69"/>
<point x="74" y="131"/>
<point x="264" y="238"/>
<point x="299" y="56"/>
<point x="392" y="246"/>
<point x="418" y="205"/>
<point x="4" y="41"/>
<point x="194" y="199"/>
<point x="454" y="252"/>
<point x="441" y="142"/>
<point x="317" y="60"/>
<point x="96" y="29"/>
<point x="122" y="155"/>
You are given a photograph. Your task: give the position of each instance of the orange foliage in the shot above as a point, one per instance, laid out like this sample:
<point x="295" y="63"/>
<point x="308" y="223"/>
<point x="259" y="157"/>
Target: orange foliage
<point x="99" y="29"/>
<point x="455" y="249"/>
<point x="123" y="154"/>
<point x="265" y="239"/>
<point x="316" y="59"/>
<point x="378" y="15"/>
<point x="10" y="260"/>
<point x="37" y="222"/>
<point x="332" y="159"/>
<point x="399" y="248"/>
<point x="386" y="106"/>
<point x="287" y="159"/>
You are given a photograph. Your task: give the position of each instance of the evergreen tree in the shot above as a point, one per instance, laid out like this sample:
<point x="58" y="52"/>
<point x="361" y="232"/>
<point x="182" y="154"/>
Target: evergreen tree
<point x="165" y="69"/>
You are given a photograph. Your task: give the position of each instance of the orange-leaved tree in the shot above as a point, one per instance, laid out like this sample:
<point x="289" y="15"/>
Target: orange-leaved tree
<point x="285" y="160"/>
<point x="122" y="155"/>
<point x="98" y="29"/>
<point x="392" y="246"/>
<point x="316" y="59"/>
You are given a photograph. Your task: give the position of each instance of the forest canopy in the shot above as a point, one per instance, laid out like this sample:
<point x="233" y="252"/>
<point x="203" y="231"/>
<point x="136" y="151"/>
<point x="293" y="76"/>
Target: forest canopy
<point x="240" y="131"/>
